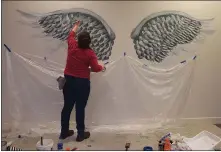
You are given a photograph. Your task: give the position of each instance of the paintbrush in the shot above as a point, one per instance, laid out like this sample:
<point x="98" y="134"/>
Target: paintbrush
<point x="41" y="141"/>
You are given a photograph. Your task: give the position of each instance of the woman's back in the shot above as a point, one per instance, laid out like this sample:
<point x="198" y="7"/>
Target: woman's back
<point x="79" y="60"/>
<point x="76" y="88"/>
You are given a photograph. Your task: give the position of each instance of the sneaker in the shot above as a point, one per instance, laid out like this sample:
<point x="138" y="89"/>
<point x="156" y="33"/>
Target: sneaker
<point x="81" y="137"/>
<point x="68" y="134"/>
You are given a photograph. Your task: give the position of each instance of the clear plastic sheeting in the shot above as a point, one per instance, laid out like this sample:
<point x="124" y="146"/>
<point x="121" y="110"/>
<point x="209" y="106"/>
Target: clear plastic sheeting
<point x="27" y="100"/>
<point x="129" y="96"/>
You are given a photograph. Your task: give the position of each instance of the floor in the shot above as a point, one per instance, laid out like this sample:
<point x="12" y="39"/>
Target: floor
<point x="117" y="141"/>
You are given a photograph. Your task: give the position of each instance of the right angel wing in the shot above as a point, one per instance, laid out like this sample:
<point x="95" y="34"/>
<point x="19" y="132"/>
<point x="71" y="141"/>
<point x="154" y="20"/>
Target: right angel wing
<point x="158" y="34"/>
<point x="58" y="24"/>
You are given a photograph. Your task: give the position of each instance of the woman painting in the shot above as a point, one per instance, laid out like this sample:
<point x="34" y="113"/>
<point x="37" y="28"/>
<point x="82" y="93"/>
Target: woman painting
<point x="77" y="87"/>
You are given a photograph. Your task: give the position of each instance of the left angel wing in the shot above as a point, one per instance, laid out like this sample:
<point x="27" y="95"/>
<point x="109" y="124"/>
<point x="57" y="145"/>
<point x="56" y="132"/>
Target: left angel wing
<point x="58" y="24"/>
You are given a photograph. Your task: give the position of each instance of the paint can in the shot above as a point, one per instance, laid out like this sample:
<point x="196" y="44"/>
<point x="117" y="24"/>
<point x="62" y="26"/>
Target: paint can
<point x="60" y="146"/>
<point x="147" y="148"/>
<point x="45" y="145"/>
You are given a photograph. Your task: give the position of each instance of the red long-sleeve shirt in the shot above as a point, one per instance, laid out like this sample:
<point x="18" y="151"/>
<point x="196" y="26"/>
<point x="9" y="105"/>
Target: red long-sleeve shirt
<point x="79" y="60"/>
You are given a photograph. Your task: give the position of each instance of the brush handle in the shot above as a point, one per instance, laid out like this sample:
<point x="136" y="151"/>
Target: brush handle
<point x="42" y="141"/>
<point x="9" y="50"/>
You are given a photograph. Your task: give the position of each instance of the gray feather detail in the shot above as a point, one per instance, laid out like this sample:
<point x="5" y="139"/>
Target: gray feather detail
<point x="58" y="25"/>
<point x="156" y="36"/>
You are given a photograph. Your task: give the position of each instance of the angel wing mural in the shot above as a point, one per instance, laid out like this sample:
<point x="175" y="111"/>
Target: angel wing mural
<point x="156" y="36"/>
<point x="58" y="24"/>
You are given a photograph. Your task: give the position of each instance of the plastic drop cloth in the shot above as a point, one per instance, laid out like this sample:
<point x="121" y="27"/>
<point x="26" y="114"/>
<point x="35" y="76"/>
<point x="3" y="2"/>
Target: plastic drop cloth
<point x="128" y="96"/>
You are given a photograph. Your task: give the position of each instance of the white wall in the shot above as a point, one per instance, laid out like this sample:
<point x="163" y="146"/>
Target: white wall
<point x="123" y="16"/>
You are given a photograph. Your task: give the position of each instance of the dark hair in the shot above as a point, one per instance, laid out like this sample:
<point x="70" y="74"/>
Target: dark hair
<point x="84" y="40"/>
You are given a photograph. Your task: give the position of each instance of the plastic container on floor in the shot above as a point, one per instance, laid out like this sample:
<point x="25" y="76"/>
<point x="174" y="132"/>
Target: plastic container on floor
<point x="147" y="148"/>
<point x="46" y="146"/>
<point x="203" y="141"/>
<point x="60" y="146"/>
<point x="167" y="145"/>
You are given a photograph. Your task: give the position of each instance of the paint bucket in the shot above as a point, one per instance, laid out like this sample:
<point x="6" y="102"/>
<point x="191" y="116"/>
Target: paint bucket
<point x="46" y="145"/>
<point x="4" y="145"/>
<point x="147" y="148"/>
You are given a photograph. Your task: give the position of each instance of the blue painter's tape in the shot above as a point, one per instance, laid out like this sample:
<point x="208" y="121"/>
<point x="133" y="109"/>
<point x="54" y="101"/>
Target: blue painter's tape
<point x="9" y="50"/>
<point x="183" y="61"/>
<point x="194" y="57"/>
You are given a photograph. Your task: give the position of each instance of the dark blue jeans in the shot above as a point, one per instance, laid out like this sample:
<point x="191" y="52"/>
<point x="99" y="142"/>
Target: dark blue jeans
<point x="76" y="92"/>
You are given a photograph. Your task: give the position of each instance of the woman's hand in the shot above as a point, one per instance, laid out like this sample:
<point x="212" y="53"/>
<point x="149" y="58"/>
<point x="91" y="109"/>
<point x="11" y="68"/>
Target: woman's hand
<point x="76" y="26"/>
<point x="77" y="23"/>
<point x="102" y="64"/>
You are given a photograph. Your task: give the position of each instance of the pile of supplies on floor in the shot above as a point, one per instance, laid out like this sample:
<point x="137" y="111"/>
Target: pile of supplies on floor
<point x="175" y="142"/>
<point x="172" y="142"/>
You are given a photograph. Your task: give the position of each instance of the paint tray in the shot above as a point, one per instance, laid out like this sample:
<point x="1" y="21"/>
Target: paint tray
<point x="203" y="141"/>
